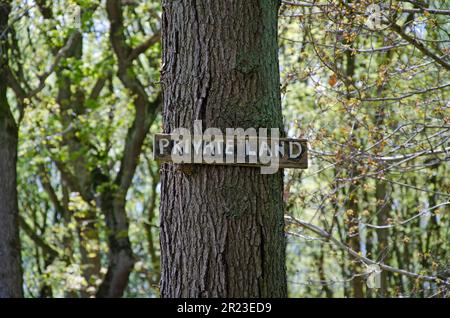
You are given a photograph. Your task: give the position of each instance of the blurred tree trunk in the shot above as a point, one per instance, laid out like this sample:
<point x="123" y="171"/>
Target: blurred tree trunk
<point x="383" y="199"/>
<point x="73" y="103"/>
<point x="382" y="207"/>
<point x="321" y="267"/>
<point x="222" y="228"/>
<point x="352" y="204"/>
<point x="10" y="262"/>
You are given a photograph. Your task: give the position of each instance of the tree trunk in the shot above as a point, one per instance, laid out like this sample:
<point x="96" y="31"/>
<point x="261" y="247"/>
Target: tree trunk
<point x="222" y="227"/>
<point x="354" y="239"/>
<point x="382" y="196"/>
<point x="383" y="208"/>
<point x="121" y="258"/>
<point x="10" y="262"/>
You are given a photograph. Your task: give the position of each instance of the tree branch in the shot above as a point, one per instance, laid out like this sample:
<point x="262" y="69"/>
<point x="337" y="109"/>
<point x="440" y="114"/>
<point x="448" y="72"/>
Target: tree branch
<point x="51" y="192"/>
<point x="152" y="40"/>
<point x="51" y="251"/>
<point x="324" y="234"/>
<point x="145" y="110"/>
<point x="399" y="30"/>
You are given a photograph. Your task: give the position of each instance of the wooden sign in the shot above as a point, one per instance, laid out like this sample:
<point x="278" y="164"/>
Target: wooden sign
<point x="236" y="151"/>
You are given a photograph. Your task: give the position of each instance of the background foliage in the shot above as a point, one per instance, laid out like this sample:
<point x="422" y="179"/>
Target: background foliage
<point x="373" y="102"/>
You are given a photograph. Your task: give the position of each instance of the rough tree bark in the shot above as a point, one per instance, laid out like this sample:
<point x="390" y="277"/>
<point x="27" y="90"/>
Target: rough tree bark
<point x="222" y="228"/>
<point x="10" y="261"/>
